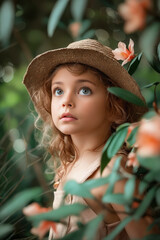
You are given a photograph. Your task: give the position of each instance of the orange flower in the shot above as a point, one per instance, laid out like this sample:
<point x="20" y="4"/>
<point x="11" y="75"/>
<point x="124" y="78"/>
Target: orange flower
<point x="134" y="12"/>
<point x="44" y="226"/>
<point x="132" y="160"/>
<point x="74" y="29"/>
<point x="124" y="54"/>
<point x="148" y="137"/>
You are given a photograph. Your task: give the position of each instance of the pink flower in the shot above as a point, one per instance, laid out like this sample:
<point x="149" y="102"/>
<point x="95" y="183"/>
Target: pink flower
<point x="148" y="137"/>
<point x="124" y="54"/>
<point x="132" y="160"/>
<point x="44" y="226"/>
<point x="134" y="12"/>
<point x="74" y="29"/>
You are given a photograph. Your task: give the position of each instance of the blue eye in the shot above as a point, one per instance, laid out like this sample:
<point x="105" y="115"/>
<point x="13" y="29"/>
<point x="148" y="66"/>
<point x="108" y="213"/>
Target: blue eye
<point x="85" y="91"/>
<point x="58" y="92"/>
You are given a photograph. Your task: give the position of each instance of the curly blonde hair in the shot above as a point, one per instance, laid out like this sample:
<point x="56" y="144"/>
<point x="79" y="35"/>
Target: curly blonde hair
<point x="60" y="145"/>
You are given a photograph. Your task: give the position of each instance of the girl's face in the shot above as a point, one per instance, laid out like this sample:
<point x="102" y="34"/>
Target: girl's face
<point x="79" y="103"/>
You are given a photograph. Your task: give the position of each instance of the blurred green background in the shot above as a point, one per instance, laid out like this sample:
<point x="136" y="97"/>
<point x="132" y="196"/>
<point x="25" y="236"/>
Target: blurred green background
<point x="28" y="28"/>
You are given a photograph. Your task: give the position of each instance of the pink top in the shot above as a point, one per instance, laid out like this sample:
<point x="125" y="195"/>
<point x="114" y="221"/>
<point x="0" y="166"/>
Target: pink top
<point x="88" y="214"/>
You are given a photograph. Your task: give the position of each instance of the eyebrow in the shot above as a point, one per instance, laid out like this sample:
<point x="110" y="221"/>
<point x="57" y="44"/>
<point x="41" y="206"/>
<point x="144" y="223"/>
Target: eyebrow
<point x="79" y="81"/>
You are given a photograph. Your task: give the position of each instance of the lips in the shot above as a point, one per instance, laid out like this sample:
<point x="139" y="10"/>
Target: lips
<point x="67" y="116"/>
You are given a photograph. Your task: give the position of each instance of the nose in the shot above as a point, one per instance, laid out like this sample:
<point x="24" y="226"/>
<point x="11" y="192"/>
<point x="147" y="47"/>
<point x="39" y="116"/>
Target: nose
<point x="68" y="101"/>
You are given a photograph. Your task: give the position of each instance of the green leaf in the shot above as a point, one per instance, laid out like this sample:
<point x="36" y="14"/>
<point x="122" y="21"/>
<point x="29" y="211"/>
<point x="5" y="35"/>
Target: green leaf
<point x="150" y="85"/>
<point x="114" y="198"/>
<point x="158" y="51"/>
<point x="151" y="237"/>
<point x="92" y="226"/>
<point x="78" y="8"/>
<point x="94" y="183"/>
<point x="132" y="137"/>
<point x="19" y="201"/>
<point x="85" y="25"/>
<point x="74" y="188"/>
<point x="158" y="196"/>
<point x="105" y="159"/>
<point x="151" y="163"/>
<point x="122" y="126"/>
<point x="129" y="189"/>
<point x="118" y="229"/>
<point x="58" y="214"/>
<point x="126" y="95"/>
<point x="78" y="235"/>
<point x="5" y="229"/>
<point x="117" y="142"/>
<point x="145" y="203"/>
<point x="7" y="18"/>
<point x="148" y="39"/>
<point x="134" y="64"/>
<point x="148" y="178"/>
<point x="55" y="16"/>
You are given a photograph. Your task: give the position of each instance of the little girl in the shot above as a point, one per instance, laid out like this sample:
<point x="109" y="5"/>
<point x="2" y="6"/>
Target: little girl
<point x="68" y="87"/>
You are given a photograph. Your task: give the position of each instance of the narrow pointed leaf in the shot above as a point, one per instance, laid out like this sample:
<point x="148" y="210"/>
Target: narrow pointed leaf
<point x="134" y="64"/>
<point x="129" y="189"/>
<point x="7" y="13"/>
<point x="19" y="201"/>
<point x="105" y="159"/>
<point x="78" y="8"/>
<point x="55" y="16"/>
<point x="92" y="227"/>
<point x="126" y="95"/>
<point x="114" y="198"/>
<point x="132" y="137"/>
<point x="117" y="142"/>
<point x="151" y="163"/>
<point x="5" y="229"/>
<point x="58" y="214"/>
<point x="93" y="183"/>
<point x="118" y="229"/>
<point x="145" y="203"/>
<point x="74" y="188"/>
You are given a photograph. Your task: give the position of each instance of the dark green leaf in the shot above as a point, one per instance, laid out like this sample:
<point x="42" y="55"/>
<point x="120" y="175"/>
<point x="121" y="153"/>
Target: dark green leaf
<point x="55" y="16"/>
<point x="158" y="196"/>
<point x="74" y="188"/>
<point x="145" y="203"/>
<point x="126" y="95"/>
<point x="134" y="64"/>
<point x="5" y="229"/>
<point x="132" y="137"/>
<point x="6" y="16"/>
<point x="105" y="159"/>
<point x="19" y="201"/>
<point x="117" y="142"/>
<point x="118" y="229"/>
<point x="58" y="214"/>
<point x="158" y="51"/>
<point x="77" y="9"/>
<point x="149" y="177"/>
<point x="148" y="40"/>
<point x="151" y="163"/>
<point x="151" y="237"/>
<point x="129" y="189"/>
<point x="114" y="198"/>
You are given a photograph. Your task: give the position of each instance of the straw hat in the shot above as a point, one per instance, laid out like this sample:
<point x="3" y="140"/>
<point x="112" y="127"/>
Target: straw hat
<point x="89" y="52"/>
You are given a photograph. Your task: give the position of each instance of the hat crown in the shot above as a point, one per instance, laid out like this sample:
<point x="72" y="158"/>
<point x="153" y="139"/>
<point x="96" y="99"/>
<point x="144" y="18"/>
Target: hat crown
<point x="91" y="44"/>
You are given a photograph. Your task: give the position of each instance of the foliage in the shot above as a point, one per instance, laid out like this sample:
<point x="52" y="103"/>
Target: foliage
<point x="27" y="30"/>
